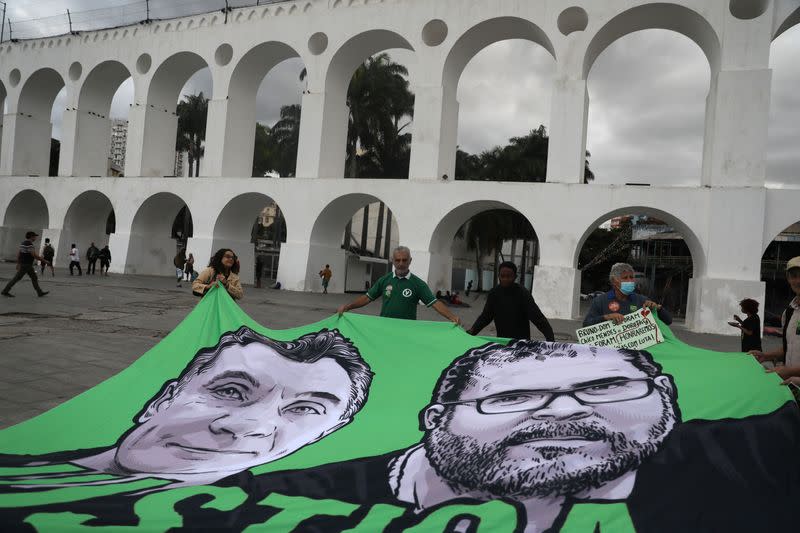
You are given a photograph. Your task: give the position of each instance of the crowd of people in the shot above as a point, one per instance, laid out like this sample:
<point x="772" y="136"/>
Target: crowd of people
<point x="509" y="305"/>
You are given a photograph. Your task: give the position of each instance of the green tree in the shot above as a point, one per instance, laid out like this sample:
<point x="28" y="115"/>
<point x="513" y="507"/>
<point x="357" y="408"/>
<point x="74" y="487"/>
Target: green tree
<point x="192" y="113"/>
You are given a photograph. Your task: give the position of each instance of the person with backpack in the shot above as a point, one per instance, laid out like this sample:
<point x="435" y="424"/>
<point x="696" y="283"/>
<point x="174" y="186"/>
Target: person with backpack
<point x="91" y="257"/>
<point x="105" y="260"/>
<point x="789" y="352"/>
<point x="179" y="262"/>
<point x="48" y="253"/>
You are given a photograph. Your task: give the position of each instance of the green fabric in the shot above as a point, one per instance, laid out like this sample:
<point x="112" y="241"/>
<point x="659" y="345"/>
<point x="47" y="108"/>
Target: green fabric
<point x="400" y="295"/>
<point x="406" y="359"/>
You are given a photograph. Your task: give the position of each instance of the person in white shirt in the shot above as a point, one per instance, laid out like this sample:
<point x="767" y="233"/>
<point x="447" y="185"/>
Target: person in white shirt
<point x="789" y="351"/>
<point x="74" y="260"/>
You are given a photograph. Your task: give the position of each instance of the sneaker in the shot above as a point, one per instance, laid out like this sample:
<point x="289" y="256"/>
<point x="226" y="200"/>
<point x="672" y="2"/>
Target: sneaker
<point x="44" y="293"/>
<point x="7" y="294"/>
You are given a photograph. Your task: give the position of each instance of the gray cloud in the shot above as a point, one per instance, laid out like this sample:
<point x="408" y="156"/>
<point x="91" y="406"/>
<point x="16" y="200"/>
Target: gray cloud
<point x="647" y="99"/>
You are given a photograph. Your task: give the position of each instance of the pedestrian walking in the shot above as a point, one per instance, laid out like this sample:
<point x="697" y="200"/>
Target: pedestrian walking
<point x="469" y="288"/>
<point x="105" y="260"/>
<point x="750" y="326"/>
<point x="189" y="267"/>
<point x="179" y="262"/>
<point x="74" y="260"/>
<point x="48" y="253"/>
<point x="223" y="268"/>
<point x="326" y="275"/>
<point x="512" y="308"/>
<point x="401" y="291"/>
<point x="91" y="257"/>
<point x="789" y="352"/>
<point x="26" y="255"/>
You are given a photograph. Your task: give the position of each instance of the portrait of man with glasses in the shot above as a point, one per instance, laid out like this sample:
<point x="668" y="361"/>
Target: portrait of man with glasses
<point x="547" y="427"/>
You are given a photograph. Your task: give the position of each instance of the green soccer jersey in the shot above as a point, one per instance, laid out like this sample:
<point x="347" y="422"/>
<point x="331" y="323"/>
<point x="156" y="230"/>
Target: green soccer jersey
<point x="400" y="295"/>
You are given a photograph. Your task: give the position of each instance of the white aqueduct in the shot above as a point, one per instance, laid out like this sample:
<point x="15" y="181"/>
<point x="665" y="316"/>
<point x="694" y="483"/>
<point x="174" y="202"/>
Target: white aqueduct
<point x="728" y="219"/>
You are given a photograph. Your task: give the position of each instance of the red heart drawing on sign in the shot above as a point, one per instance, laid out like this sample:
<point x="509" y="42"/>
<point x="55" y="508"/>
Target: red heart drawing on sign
<point x="645" y="312"/>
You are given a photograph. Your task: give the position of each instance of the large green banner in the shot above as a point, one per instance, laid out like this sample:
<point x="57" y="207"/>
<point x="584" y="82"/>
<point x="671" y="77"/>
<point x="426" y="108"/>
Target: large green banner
<point x="364" y="424"/>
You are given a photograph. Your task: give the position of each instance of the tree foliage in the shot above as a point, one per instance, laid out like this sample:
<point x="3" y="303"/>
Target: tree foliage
<point x="522" y="159"/>
<point x="192" y="113"/>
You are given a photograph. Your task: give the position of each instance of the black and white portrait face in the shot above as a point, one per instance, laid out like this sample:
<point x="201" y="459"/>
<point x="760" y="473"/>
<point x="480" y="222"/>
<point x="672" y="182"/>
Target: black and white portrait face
<point x="247" y="402"/>
<point x="548" y="420"/>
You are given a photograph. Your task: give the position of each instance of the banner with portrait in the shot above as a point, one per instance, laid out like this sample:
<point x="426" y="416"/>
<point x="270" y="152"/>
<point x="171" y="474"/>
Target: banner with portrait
<point x="364" y="424"/>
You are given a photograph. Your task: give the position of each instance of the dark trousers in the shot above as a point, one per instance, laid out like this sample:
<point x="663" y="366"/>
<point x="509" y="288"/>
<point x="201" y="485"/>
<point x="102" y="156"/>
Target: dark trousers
<point x="73" y="264"/>
<point x="30" y="271"/>
<point x="92" y="266"/>
<point x="104" y="265"/>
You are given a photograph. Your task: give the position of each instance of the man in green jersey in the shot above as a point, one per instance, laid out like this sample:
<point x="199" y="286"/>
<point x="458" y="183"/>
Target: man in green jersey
<point x="401" y="290"/>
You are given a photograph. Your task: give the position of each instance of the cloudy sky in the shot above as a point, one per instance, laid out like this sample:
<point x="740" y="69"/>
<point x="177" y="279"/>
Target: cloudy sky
<point x="647" y="96"/>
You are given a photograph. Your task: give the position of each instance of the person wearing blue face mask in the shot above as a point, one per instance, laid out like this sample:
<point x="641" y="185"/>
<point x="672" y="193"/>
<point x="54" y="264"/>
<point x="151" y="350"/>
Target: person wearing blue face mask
<point x="621" y="300"/>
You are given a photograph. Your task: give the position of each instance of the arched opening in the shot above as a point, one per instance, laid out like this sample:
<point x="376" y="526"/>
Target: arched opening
<point x="263" y="122"/>
<point x="253" y="225"/>
<point x="101" y="121"/>
<point x="471" y="241"/>
<point x="176" y="113"/>
<point x="36" y="146"/>
<point x="367" y="118"/>
<point x="649" y="95"/>
<point x="501" y="126"/>
<point x="355" y="234"/>
<point x="663" y="251"/>
<point x="86" y="222"/>
<point x="783" y="158"/>
<point x="27" y="211"/>
<point x="778" y="294"/>
<point x="161" y="226"/>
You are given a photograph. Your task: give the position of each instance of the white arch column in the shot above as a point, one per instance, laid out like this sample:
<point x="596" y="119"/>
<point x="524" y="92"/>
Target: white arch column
<point x="323" y="134"/>
<point x="149" y="130"/>
<point x="24" y="139"/>
<point x="228" y="149"/>
<point x="569" y="115"/>
<point x="433" y="143"/>
<point x="737" y="106"/>
<point x="732" y="269"/>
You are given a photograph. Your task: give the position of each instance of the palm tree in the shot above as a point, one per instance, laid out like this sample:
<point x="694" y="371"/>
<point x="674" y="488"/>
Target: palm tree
<point x="286" y="135"/>
<point x="192" y="112"/>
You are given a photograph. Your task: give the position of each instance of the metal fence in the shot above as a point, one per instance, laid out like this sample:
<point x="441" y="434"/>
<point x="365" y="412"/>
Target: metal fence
<point x="137" y="12"/>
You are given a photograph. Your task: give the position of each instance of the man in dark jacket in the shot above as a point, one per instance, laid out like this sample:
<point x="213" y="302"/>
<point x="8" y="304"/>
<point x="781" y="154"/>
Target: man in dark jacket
<point x="91" y="257"/>
<point x="512" y="308"/>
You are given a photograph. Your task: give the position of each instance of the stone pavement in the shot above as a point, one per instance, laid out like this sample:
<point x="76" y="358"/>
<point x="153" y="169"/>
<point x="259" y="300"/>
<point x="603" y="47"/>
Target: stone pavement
<point x="91" y="327"/>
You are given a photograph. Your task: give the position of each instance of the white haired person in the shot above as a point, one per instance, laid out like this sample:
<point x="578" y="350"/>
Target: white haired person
<point x="622" y="299"/>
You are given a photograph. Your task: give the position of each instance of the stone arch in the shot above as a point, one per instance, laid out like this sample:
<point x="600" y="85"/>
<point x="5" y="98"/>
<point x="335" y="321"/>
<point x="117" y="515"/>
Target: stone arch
<point x="92" y="123"/>
<point x="85" y="222"/>
<point x="161" y="123"/>
<point x="31" y="144"/>
<point x="343" y="63"/>
<point x="787" y="16"/>
<point x="663" y="16"/>
<point x="441" y="244"/>
<point x="27" y="211"/>
<point x="487" y="33"/>
<point x="781" y="243"/>
<point x="696" y="247"/>
<point x="151" y="247"/>
<point x="239" y="139"/>
<point x="326" y="239"/>
<point x="466" y="47"/>
<point x="233" y="229"/>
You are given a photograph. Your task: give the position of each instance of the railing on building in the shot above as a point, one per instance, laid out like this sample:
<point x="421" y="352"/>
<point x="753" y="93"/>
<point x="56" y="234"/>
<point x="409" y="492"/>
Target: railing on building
<point x="137" y="12"/>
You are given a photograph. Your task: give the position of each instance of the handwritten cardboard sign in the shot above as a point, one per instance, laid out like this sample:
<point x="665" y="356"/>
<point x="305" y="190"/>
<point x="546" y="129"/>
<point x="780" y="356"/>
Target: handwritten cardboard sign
<point x="638" y="331"/>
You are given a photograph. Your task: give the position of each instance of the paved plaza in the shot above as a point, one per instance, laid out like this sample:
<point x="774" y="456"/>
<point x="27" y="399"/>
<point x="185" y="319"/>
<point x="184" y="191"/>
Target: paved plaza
<point x="91" y="327"/>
